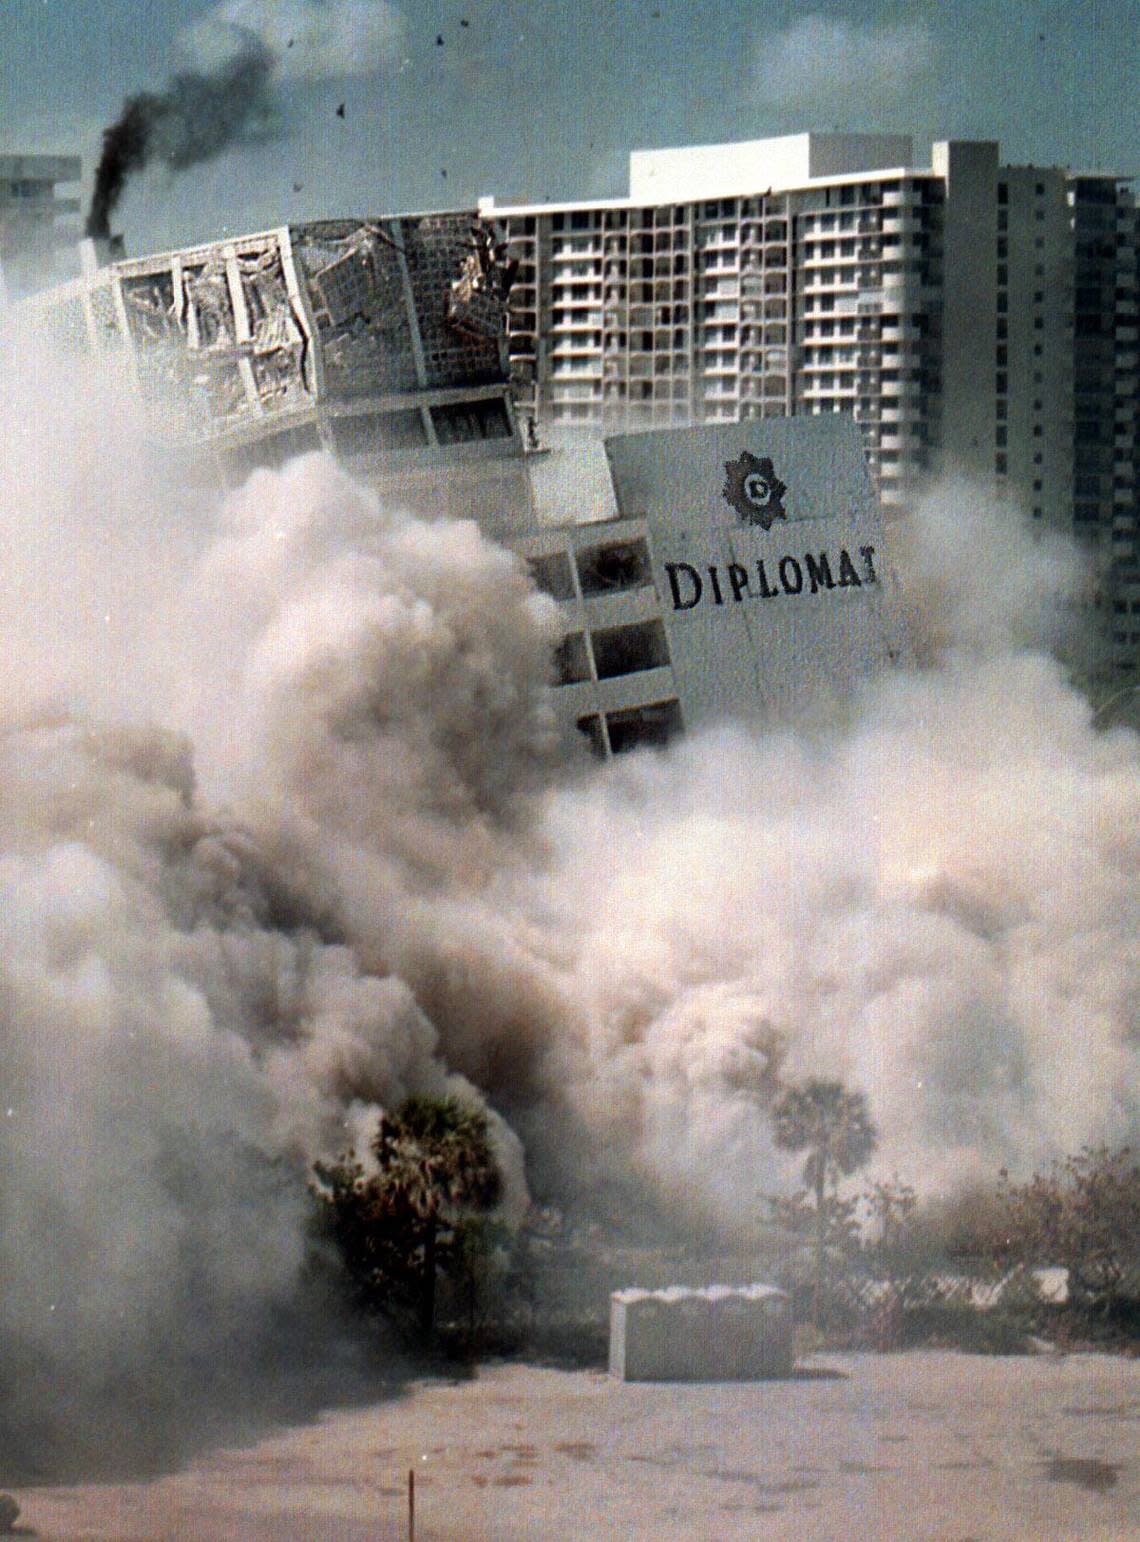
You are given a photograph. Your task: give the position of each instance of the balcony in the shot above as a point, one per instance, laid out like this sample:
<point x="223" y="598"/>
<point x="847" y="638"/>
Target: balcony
<point x="588" y="260"/>
<point x="581" y="321"/>
<point x="572" y="391"/>
<point x="561" y="372"/>
<point x="901" y="222"/>
<point x="900" y="334"/>
<point x="843" y="386"/>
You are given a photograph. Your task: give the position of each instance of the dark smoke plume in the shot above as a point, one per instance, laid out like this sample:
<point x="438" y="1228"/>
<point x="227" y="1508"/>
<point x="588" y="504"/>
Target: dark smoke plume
<point x="195" y="118"/>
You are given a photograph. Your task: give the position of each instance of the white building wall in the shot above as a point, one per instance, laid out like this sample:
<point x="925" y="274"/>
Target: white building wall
<point x="969" y="307"/>
<point x="734" y="170"/>
<point x="1033" y="423"/>
<point x="31" y="211"/>
<point x="682" y="612"/>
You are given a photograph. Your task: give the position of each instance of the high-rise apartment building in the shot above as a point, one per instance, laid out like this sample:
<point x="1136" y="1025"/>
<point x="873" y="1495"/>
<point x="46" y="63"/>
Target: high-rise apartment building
<point x="975" y="318"/>
<point x="30" y="212"/>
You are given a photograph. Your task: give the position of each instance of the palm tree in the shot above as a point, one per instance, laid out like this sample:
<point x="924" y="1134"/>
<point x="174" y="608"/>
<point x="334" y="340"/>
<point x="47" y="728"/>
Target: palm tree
<point x="435" y="1168"/>
<point x="835" y="1128"/>
<point x="435" y="1159"/>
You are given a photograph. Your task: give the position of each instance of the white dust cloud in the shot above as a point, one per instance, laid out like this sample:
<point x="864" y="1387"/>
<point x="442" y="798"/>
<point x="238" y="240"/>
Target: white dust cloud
<point x="376" y="666"/>
<point x="94" y="542"/>
<point x="820" y="63"/>
<point x="286" y="835"/>
<point x="977" y="584"/>
<point x="307" y="40"/>
<point x="942" y="906"/>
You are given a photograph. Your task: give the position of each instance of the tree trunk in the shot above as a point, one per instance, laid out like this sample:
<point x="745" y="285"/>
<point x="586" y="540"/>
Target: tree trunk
<point x="820" y="1241"/>
<point x="427" y="1293"/>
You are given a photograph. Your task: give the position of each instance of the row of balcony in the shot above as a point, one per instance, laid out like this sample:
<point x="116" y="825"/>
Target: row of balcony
<point x="886" y="401"/>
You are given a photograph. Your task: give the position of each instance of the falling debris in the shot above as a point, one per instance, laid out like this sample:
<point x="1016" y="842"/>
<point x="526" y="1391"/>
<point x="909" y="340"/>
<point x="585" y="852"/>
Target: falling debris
<point x="340" y="111"/>
<point x="439" y="40"/>
<point x="463" y="22"/>
<point x="297" y="186"/>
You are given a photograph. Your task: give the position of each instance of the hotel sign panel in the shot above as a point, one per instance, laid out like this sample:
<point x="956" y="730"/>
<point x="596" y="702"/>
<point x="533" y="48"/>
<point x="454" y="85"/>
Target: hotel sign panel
<point x="769" y="560"/>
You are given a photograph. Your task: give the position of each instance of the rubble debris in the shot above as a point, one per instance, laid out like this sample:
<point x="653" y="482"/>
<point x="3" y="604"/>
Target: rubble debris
<point x="480" y="292"/>
<point x="209" y="310"/>
<point x="152" y="313"/>
<point x="249" y="336"/>
<point x="358" y="306"/>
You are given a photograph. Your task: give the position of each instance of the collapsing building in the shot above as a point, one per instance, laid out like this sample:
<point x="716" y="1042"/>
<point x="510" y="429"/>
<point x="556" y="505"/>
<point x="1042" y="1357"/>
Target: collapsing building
<point x="744" y="576"/>
<point x="378" y="340"/>
<point x="746" y="579"/>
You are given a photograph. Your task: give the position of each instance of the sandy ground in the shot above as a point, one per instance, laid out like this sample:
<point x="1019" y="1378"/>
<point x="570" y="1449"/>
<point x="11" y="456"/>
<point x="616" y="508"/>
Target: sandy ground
<point x="930" y="1445"/>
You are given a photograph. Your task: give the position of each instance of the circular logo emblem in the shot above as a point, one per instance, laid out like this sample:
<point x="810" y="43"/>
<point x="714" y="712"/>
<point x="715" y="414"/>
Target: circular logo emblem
<point x="754" y="490"/>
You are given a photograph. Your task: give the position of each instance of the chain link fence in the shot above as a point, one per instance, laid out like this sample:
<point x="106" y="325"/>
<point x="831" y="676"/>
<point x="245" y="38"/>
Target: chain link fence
<point x="969" y="1304"/>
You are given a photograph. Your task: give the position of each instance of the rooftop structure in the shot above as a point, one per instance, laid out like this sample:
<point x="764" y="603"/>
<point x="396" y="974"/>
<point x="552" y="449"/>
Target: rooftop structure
<point x="724" y="171"/>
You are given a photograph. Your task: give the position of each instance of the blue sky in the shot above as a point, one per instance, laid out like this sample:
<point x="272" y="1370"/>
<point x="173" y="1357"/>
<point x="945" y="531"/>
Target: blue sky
<point x="545" y="98"/>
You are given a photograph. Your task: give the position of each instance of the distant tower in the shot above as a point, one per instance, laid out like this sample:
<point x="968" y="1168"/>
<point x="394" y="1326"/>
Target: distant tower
<point x="30" y="217"/>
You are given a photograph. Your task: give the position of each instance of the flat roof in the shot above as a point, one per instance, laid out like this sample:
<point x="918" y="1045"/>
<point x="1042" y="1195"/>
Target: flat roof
<point x="487" y="205"/>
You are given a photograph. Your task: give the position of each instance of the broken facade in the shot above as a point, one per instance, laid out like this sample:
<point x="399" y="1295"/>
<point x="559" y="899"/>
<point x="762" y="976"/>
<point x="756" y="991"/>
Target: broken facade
<point x="379" y="340"/>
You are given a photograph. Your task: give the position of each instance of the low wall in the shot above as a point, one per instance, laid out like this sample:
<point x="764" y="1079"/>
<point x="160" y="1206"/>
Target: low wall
<point x="719" y="1333"/>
